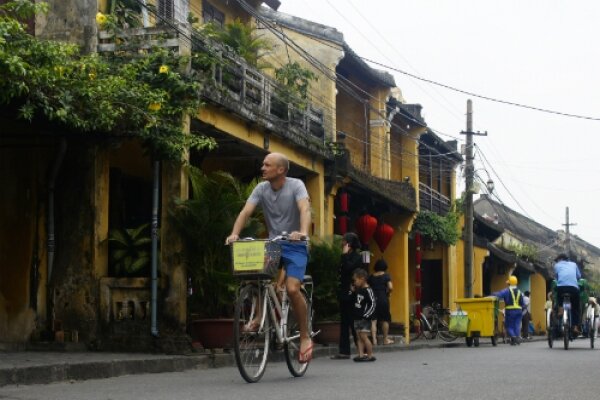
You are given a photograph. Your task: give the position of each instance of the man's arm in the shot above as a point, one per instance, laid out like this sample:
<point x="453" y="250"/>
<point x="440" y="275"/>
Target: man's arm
<point x="240" y="222"/>
<point x="304" y="207"/>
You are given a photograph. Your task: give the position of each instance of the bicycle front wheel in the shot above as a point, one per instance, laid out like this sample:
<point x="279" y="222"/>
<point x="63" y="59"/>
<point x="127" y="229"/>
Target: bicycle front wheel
<point x="428" y="326"/>
<point x="292" y="344"/>
<point x="444" y="331"/>
<point x="251" y="333"/>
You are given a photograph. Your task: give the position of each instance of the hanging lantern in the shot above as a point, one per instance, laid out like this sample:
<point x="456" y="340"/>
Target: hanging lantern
<point x="365" y="227"/>
<point x="343" y="202"/>
<point x="383" y="236"/>
<point x="342" y="224"/>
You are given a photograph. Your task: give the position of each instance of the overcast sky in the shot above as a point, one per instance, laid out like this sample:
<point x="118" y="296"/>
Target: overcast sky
<point x="542" y="53"/>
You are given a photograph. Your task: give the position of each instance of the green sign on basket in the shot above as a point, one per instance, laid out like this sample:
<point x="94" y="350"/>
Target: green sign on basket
<point x="248" y="256"/>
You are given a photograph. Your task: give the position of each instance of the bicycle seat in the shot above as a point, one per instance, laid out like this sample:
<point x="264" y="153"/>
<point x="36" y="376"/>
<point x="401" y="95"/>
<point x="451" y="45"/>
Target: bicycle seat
<point x="307" y="279"/>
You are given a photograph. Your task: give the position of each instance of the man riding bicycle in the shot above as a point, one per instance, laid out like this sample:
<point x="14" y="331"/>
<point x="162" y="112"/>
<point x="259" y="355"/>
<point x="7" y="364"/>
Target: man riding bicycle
<point x="567" y="276"/>
<point x="286" y="207"/>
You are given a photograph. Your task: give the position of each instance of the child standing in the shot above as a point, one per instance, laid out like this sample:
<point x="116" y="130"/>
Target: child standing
<point x="364" y="309"/>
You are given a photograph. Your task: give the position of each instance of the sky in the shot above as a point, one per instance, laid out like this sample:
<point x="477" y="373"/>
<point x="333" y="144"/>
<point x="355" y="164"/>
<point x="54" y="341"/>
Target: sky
<point x="543" y="54"/>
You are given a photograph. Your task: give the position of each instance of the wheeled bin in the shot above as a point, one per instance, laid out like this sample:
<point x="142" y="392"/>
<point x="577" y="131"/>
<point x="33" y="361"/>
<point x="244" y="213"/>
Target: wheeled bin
<point x="483" y="319"/>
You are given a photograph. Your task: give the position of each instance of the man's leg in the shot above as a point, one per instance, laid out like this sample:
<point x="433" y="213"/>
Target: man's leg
<point x="299" y="309"/>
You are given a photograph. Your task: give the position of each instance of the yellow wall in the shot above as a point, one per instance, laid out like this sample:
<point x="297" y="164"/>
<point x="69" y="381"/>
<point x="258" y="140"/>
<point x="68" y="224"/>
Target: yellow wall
<point x="380" y="139"/>
<point x="479" y="255"/>
<point x="538" y="300"/>
<point x="397" y="258"/>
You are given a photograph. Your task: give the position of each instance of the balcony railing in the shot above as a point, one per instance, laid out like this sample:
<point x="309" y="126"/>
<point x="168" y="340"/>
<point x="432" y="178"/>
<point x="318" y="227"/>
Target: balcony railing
<point x="432" y="200"/>
<point x="234" y="85"/>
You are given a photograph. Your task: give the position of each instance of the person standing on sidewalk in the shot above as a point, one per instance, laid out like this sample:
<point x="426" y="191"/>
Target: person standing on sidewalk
<point x="513" y="305"/>
<point x="381" y="283"/>
<point x="351" y="260"/>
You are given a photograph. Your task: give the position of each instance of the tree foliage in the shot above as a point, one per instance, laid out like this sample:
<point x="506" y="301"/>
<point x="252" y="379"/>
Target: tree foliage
<point x="119" y="95"/>
<point x="437" y="228"/>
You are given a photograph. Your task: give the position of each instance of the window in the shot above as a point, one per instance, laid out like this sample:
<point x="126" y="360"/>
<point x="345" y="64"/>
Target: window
<point x="212" y="14"/>
<point x="166" y="9"/>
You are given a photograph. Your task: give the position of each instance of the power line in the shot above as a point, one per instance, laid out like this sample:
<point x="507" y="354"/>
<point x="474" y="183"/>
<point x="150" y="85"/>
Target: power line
<point x="473" y="94"/>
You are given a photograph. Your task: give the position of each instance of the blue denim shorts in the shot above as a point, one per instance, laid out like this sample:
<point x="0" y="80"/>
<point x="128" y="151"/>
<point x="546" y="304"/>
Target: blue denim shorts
<point x="294" y="257"/>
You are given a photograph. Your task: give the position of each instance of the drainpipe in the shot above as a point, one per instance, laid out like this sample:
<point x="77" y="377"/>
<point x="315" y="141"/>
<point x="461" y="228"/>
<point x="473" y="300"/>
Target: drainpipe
<point x="51" y="185"/>
<point x="154" y="227"/>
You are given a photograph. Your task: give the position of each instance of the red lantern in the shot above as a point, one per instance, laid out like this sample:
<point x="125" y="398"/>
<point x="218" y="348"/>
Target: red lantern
<point x="418" y="239"/>
<point x="418" y="276"/>
<point x="383" y="235"/>
<point x="342" y="224"/>
<point x="344" y="202"/>
<point x="365" y="227"/>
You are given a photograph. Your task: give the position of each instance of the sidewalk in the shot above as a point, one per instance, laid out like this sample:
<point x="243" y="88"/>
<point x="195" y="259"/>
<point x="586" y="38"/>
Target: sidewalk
<point x="40" y="367"/>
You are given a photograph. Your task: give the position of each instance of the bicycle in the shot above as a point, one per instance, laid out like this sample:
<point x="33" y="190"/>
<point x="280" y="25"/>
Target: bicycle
<point x="261" y="316"/>
<point x="431" y="323"/>
<point x="558" y="326"/>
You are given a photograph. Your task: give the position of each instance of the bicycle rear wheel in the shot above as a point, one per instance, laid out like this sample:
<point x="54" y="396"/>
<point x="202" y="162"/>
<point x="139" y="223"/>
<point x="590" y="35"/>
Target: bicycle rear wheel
<point x="592" y="331"/>
<point x="251" y="335"/>
<point x="428" y="327"/>
<point x="566" y="329"/>
<point x="551" y="323"/>
<point x="444" y="331"/>
<point x="291" y="347"/>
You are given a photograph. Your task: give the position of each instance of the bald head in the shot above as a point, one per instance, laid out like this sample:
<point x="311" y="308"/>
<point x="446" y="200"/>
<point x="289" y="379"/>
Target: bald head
<point x="280" y="160"/>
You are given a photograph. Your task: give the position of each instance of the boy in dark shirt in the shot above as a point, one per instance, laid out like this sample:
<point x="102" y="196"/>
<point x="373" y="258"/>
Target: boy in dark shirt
<point x="364" y="309"/>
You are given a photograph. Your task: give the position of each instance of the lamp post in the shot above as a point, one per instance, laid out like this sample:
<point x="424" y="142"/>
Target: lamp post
<point x="490" y="186"/>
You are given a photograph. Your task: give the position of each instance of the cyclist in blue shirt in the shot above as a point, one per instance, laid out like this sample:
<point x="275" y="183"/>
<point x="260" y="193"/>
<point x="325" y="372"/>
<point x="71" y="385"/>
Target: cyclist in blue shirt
<point x="567" y="276"/>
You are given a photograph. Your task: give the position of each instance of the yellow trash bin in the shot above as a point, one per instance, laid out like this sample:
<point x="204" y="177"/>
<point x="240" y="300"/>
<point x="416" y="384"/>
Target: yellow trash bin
<point x="483" y="318"/>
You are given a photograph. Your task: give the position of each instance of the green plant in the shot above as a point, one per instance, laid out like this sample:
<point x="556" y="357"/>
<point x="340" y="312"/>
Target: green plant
<point x="242" y="39"/>
<point x="524" y="251"/>
<point x="437" y="228"/>
<point x="323" y="266"/>
<point x="205" y="220"/>
<point x="130" y="250"/>
<point x="294" y="83"/>
<point x="118" y="95"/>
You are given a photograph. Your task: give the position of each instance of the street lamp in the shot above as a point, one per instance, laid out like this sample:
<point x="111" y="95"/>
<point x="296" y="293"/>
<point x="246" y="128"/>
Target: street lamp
<point x="490" y="185"/>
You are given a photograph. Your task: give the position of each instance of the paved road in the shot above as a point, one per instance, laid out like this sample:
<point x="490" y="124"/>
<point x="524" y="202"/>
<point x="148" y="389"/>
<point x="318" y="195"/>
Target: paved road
<point x="529" y="371"/>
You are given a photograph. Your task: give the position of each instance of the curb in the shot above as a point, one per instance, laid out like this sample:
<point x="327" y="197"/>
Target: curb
<point x="43" y="374"/>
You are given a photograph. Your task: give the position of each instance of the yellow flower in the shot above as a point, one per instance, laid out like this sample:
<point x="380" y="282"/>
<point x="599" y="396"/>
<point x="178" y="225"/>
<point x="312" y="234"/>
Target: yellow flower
<point x="154" y="106"/>
<point x="92" y="76"/>
<point x="164" y="69"/>
<point x="101" y="19"/>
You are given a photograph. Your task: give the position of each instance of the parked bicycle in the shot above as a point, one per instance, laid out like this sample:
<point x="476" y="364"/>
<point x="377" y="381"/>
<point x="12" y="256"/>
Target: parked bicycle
<point x="264" y="319"/>
<point x="432" y="322"/>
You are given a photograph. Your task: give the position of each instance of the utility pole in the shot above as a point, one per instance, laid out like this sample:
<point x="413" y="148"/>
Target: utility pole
<point x="469" y="176"/>
<point x="568" y="233"/>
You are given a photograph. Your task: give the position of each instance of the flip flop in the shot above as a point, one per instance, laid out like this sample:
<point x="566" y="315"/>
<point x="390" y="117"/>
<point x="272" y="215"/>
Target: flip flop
<point x="306" y="355"/>
<point x="251" y="326"/>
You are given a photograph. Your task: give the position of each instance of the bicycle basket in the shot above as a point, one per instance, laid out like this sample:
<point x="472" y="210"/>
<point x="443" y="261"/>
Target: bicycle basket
<point x="255" y="258"/>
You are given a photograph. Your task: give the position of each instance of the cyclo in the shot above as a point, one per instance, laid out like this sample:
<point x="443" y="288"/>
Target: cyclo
<point x="559" y="320"/>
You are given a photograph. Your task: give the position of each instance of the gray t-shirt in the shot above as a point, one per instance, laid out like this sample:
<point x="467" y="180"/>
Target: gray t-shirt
<point x="280" y="207"/>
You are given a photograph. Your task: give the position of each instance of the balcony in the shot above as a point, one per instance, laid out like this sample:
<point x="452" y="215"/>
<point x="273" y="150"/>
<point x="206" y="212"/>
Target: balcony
<point x="231" y="84"/>
<point x="432" y="200"/>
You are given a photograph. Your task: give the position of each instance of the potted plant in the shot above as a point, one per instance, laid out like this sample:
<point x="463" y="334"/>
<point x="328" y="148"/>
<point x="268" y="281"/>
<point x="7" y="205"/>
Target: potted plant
<point x="323" y="266"/>
<point x="205" y="220"/>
